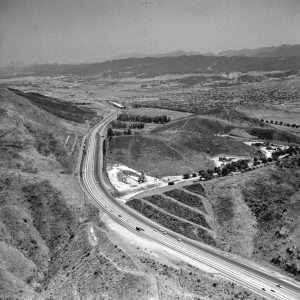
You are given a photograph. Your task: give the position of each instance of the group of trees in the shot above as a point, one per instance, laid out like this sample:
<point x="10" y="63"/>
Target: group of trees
<point x="111" y="133"/>
<point x="137" y="125"/>
<point x="292" y="150"/>
<point x="280" y="123"/>
<point x="242" y="165"/>
<point x="143" y="119"/>
<point x="124" y="125"/>
<point x="235" y="166"/>
<point x="136" y="122"/>
<point x="118" y="125"/>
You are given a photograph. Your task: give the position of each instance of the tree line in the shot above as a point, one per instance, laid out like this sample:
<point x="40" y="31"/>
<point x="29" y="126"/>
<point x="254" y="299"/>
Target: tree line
<point x="124" y="125"/>
<point x="143" y="118"/>
<point x="111" y="132"/>
<point x="280" y="123"/>
<point x="243" y="164"/>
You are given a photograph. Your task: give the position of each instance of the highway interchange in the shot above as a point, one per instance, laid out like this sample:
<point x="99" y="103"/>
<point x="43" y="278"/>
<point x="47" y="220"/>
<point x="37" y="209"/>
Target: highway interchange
<point x="261" y="281"/>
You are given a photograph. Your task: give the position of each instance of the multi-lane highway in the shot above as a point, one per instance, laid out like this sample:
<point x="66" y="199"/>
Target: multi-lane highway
<point x="260" y="280"/>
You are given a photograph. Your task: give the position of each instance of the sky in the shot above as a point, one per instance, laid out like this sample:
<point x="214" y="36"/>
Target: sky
<point x="76" y="31"/>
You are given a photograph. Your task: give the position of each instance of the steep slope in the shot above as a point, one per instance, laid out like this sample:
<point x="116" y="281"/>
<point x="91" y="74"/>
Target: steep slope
<point x="35" y="218"/>
<point x="257" y="216"/>
<point x="60" y="108"/>
<point x="50" y="236"/>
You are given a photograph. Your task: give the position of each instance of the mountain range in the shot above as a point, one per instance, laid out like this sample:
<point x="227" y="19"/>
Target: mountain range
<point x="285" y="57"/>
<point x="275" y="51"/>
<point x="272" y="51"/>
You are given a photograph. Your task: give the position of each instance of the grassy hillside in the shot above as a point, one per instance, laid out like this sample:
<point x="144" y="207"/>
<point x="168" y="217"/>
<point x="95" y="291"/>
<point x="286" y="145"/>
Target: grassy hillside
<point x="225" y="121"/>
<point x="180" y="146"/>
<point x="233" y="116"/>
<point x="274" y="134"/>
<point x="157" y="157"/>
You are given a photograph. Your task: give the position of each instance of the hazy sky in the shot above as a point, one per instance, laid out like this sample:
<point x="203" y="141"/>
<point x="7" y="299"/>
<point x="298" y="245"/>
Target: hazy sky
<point x="36" y="31"/>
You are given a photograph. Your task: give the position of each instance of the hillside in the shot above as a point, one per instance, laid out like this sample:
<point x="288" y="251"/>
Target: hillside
<point x="180" y="146"/>
<point x="256" y="215"/>
<point x="222" y="121"/>
<point x="58" y="107"/>
<point x="234" y="116"/>
<point x="44" y="221"/>
<point x="35" y="218"/>
<point x="49" y="235"/>
<point x="275" y="51"/>
<point x="54" y="244"/>
<point x="188" y="144"/>
<point x="155" y="66"/>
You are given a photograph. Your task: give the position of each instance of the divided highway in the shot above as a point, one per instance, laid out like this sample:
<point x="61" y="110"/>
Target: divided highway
<point x="256" y="278"/>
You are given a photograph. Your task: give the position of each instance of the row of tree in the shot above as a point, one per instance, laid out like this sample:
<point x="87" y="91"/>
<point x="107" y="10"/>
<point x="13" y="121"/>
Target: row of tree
<point x="143" y="118"/>
<point x="242" y="165"/>
<point x="280" y="123"/>
<point x="111" y="133"/>
<point x="124" y="125"/>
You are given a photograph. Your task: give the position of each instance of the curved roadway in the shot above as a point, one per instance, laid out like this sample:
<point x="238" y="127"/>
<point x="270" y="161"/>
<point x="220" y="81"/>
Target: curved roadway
<point x="264" y="282"/>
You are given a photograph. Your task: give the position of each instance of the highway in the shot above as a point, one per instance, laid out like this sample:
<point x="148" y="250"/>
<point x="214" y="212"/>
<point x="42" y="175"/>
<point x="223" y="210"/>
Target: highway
<point x="258" y="279"/>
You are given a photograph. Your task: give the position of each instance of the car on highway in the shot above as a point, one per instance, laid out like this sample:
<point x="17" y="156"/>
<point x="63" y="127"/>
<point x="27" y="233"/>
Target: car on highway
<point x="139" y="228"/>
<point x="119" y="216"/>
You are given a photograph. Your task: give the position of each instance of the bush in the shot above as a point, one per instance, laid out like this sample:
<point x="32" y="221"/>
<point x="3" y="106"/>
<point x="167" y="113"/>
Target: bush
<point x="177" y="209"/>
<point x="187" y="199"/>
<point x="172" y="223"/>
<point x="195" y="188"/>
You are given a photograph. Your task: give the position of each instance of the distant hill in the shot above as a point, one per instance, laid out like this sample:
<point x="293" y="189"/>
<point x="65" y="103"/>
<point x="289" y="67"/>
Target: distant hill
<point x="156" y="66"/>
<point x="275" y="51"/>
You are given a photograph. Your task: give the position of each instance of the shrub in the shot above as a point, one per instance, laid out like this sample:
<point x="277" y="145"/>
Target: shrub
<point x="171" y="222"/>
<point x="186" y="198"/>
<point x="195" y="188"/>
<point x="177" y="209"/>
